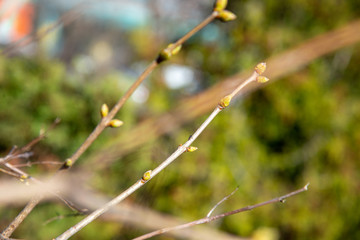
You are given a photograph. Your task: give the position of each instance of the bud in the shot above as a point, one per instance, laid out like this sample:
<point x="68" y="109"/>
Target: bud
<point x="68" y="163"/>
<point x="146" y="176"/>
<point x="226" y="16"/>
<point x="191" y="149"/>
<point x="220" y="5"/>
<point x="115" y="123"/>
<point x="166" y="53"/>
<point x="262" y="79"/>
<point x="260" y="68"/>
<point x="104" y="110"/>
<point x="225" y="101"/>
<point x="23" y="178"/>
<point x="175" y="50"/>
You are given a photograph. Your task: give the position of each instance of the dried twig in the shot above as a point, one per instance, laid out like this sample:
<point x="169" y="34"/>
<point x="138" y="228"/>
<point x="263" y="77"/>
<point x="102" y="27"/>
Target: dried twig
<point x="186" y="147"/>
<point x="210" y="219"/>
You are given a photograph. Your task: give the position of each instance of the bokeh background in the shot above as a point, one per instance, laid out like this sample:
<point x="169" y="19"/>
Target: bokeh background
<point x="302" y="128"/>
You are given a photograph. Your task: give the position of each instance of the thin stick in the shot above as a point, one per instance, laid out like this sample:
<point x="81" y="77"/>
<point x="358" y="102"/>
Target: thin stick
<point x="20" y="217"/>
<point x="152" y="173"/>
<point x="210" y="219"/>
<point x="221" y="201"/>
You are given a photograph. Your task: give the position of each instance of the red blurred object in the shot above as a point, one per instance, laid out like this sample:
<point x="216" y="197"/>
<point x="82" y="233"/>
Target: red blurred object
<point x="16" y="19"/>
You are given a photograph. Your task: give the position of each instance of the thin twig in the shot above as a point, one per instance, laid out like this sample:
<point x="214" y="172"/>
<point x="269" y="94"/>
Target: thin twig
<point x="29" y="164"/>
<point x="21" y="216"/>
<point x="41" y="136"/>
<point x="186" y="147"/>
<point x="210" y="219"/>
<point x="221" y="201"/>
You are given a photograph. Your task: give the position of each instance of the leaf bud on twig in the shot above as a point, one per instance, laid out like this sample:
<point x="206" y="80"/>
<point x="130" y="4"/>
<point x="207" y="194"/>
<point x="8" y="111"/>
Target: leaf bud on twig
<point x="191" y="149"/>
<point x="115" y="123"/>
<point x="220" y="5"/>
<point x="225" y="101"/>
<point x="226" y="16"/>
<point x="68" y="163"/>
<point x="104" y="110"/>
<point x="146" y="176"/>
<point x="262" y="79"/>
<point x="260" y="68"/>
<point x="166" y="53"/>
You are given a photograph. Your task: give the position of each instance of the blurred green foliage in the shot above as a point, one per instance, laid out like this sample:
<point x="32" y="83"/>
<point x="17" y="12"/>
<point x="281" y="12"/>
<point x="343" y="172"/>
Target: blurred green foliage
<point x="303" y="128"/>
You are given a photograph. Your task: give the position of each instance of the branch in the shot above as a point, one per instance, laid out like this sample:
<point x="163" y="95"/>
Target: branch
<point x="165" y="54"/>
<point x="210" y="219"/>
<point x="186" y="147"/>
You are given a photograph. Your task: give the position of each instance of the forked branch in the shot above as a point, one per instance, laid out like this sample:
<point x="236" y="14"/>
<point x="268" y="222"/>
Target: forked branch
<point x="210" y="219"/>
<point x="186" y="147"/>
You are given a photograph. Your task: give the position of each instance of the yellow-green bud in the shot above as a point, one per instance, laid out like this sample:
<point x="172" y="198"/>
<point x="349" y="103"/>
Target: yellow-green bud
<point x="104" y="110"/>
<point x="225" y="101"/>
<point x="115" y="123"/>
<point x="262" y="79"/>
<point x="175" y="50"/>
<point x="191" y="149"/>
<point x="146" y="176"/>
<point x="220" y="5"/>
<point x="68" y="163"/>
<point x="226" y="16"/>
<point x="260" y="68"/>
<point x="23" y="178"/>
<point x="166" y="53"/>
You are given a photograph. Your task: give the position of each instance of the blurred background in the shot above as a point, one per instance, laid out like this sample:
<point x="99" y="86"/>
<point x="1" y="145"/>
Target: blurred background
<point x="302" y="128"/>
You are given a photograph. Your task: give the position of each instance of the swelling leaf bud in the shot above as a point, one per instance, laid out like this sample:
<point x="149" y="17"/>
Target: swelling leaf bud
<point x="115" y="123"/>
<point x="104" y="110"/>
<point x="260" y="68"/>
<point x="226" y="16"/>
<point x="220" y="5"/>
<point x="225" y="101"/>
<point x="262" y="79"/>
<point x="146" y="176"/>
<point x="191" y="149"/>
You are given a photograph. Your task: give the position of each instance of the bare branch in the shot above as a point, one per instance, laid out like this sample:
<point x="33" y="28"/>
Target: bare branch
<point x="210" y="219"/>
<point x="148" y="175"/>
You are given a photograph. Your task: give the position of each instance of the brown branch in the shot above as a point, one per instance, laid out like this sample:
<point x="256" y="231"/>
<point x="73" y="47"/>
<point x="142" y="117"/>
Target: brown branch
<point x="210" y="219"/>
<point x="20" y="217"/>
